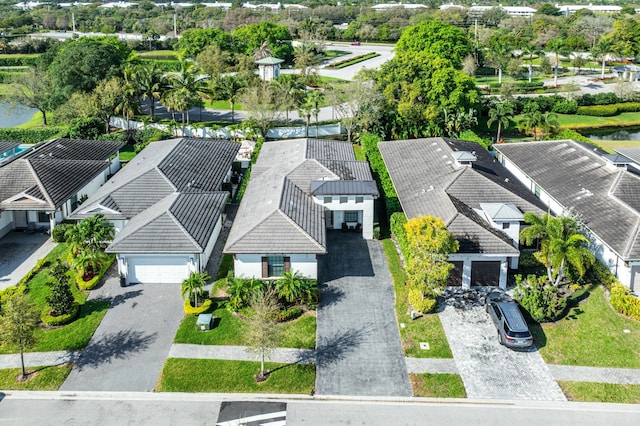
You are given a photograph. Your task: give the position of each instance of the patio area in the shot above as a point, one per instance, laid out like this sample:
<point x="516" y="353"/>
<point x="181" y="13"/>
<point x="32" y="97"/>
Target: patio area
<point x="19" y="252"/>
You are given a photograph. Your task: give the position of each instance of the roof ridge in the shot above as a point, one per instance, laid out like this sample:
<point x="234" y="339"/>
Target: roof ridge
<point x="39" y="183"/>
<point x="615" y="183"/>
<point x="294" y="223"/>
<point x="634" y="236"/>
<point x="175" y="219"/>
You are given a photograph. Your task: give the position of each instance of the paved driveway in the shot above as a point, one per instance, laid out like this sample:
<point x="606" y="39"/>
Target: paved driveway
<point x="129" y="348"/>
<point x="488" y="369"/>
<point x="19" y="252"/>
<point x="358" y="343"/>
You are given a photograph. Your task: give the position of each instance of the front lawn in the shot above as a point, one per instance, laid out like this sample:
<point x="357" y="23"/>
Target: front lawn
<point x="72" y="336"/>
<point x="228" y="331"/>
<point x="437" y="385"/>
<point x="574" y="121"/>
<point x="42" y="378"/>
<point x="211" y="375"/>
<point x="127" y="152"/>
<point x="601" y="392"/>
<point x="592" y="334"/>
<point x="427" y="328"/>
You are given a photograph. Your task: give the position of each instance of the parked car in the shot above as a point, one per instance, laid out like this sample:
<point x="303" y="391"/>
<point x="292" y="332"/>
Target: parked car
<point x="355" y="43"/>
<point x="505" y="314"/>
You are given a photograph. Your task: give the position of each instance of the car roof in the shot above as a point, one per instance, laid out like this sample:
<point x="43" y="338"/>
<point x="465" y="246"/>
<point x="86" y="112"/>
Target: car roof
<point x="513" y="316"/>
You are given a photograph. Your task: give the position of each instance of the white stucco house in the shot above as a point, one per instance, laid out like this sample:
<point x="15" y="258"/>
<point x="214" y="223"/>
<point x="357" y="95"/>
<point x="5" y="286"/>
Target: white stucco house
<point x="40" y="187"/>
<point x="299" y="189"/>
<point x="167" y="206"/>
<point x="602" y="190"/>
<point x="480" y="202"/>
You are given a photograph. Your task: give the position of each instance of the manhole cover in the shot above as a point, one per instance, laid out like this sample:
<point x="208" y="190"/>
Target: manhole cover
<point x="402" y="325"/>
<point x="424" y="346"/>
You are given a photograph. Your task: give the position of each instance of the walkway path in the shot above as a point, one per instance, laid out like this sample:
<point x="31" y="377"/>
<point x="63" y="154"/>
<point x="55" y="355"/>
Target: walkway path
<point x="19" y="253"/>
<point x="240" y="353"/>
<point x="358" y="343"/>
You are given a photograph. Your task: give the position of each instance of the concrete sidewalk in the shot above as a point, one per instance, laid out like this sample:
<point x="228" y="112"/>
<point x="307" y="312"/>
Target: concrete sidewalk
<point x="240" y="353"/>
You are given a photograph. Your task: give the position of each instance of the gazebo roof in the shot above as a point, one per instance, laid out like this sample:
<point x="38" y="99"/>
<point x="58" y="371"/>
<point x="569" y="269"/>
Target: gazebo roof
<point x="269" y="60"/>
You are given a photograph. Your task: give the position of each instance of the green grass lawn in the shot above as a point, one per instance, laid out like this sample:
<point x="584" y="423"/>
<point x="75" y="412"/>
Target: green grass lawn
<point x="210" y="375"/>
<point x="221" y="104"/>
<point x="592" y="334"/>
<point x="610" y="145"/>
<point x="601" y="392"/>
<point x="359" y="152"/>
<point x="42" y="378"/>
<point x="35" y="121"/>
<point x="437" y="385"/>
<point x="331" y="54"/>
<point x="427" y="328"/>
<point x="299" y="333"/>
<point x="72" y="336"/>
<point x="574" y="121"/>
<point x="127" y="153"/>
<point x="171" y="55"/>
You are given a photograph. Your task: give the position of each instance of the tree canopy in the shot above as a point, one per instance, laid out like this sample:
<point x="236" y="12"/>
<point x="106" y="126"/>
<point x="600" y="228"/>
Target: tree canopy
<point x="437" y="38"/>
<point x="251" y="37"/>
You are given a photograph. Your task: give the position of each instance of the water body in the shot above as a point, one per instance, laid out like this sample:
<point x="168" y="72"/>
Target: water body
<point x="16" y="116"/>
<point x="626" y="134"/>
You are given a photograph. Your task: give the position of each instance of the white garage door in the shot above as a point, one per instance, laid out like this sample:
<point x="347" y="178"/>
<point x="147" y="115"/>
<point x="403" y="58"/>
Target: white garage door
<point x="162" y="270"/>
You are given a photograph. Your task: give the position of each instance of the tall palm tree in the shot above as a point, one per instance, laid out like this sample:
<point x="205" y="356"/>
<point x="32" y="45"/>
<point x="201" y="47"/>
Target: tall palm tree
<point x="557" y="47"/>
<point x="501" y="113"/>
<point x="188" y="85"/>
<point x="229" y="87"/>
<point x="305" y="110"/>
<point x="315" y="98"/>
<point x="499" y="54"/>
<point x="192" y="286"/>
<point x="151" y="83"/>
<point x="531" y="50"/>
<point x="305" y="58"/>
<point x="129" y="101"/>
<point x="601" y="50"/>
<point x="290" y="91"/>
<point x="560" y="244"/>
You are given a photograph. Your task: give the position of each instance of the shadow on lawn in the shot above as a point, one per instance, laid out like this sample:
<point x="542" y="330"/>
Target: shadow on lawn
<point x="111" y="346"/>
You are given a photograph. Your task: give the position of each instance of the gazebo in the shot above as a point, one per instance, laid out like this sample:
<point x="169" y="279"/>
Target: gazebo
<point x="269" y="68"/>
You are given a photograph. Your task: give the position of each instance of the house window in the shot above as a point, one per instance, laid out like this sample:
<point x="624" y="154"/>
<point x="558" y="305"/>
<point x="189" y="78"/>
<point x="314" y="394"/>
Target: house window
<point x="359" y="200"/>
<point x="351" y="216"/>
<point x="506" y="225"/>
<point x="537" y="190"/>
<point x="43" y="217"/>
<point x="343" y="200"/>
<point x="275" y="266"/>
<point x="328" y="200"/>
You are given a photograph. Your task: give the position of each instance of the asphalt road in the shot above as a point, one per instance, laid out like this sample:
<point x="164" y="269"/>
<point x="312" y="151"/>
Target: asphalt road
<point x="56" y="408"/>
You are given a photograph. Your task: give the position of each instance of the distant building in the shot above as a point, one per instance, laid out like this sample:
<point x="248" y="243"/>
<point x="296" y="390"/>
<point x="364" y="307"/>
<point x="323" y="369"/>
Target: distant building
<point x="269" y="68"/>
<point x="568" y="9"/>
<point x="524" y="11"/>
<point x="387" y="6"/>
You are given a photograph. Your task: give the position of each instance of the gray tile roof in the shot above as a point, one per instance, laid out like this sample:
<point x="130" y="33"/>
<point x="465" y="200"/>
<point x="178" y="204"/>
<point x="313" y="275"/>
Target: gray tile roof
<point x="631" y="153"/>
<point x="502" y="211"/>
<point x="7" y="145"/>
<point x="605" y="198"/>
<point x="190" y="209"/>
<point x="75" y="149"/>
<point x="277" y="214"/>
<point x="429" y="182"/>
<point x="344" y="187"/>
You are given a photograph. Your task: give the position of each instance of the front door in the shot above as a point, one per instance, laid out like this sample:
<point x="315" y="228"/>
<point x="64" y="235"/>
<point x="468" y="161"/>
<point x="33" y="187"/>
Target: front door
<point x="328" y="219"/>
<point x="20" y="219"/>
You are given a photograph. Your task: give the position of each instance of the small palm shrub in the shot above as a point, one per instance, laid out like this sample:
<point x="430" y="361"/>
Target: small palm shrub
<point x="240" y="291"/>
<point x="541" y="299"/>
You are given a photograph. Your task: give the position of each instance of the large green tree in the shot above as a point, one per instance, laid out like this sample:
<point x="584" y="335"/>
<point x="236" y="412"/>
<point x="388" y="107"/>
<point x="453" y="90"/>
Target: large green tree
<point x="251" y="37"/>
<point x="34" y="89"/>
<point x="18" y="324"/>
<point x="195" y="40"/>
<point x="437" y="38"/>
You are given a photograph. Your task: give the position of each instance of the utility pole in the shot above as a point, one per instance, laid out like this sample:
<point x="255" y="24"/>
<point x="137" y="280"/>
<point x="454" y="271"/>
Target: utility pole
<point x="175" y="25"/>
<point x="73" y="22"/>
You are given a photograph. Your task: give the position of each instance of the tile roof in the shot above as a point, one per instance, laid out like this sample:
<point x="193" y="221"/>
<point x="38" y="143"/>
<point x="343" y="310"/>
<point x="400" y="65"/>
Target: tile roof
<point x="7" y="145"/>
<point x="604" y="197"/>
<point x="75" y="149"/>
<point x="344" y="187"/>
<point x="428" y="181"/>
<point x="631" y="153"/>
<point x="277" y="214"/>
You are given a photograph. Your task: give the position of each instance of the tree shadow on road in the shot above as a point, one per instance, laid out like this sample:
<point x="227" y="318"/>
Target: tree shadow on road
<point x="329" y="295"/>
<point x="121" y="298"/>
<point x="111" y="346"/>
<point x="334" y="348"/>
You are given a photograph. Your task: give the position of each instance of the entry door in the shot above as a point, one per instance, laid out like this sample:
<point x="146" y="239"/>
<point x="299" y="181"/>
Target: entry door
<point x="20" y="219"/>
<point x="328" y="219"/>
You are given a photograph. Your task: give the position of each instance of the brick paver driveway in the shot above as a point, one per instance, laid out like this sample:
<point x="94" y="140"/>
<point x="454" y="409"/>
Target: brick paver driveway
<point x="129" y="347"/>
<point x="488" y="369"/>
<point x="358" y="343"/>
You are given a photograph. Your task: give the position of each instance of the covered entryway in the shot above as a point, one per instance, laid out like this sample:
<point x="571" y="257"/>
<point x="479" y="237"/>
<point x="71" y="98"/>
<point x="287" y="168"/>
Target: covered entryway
<point x="157" y="269"/>
<point x="485" y="273"/>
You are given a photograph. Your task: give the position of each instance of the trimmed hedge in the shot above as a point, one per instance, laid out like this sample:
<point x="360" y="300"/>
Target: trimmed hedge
<point x="565" y="107"/>
<point x="93" y="282"/>
<point x="34" y="135"/>
<point x="396" y="223"/>
<point x="59" y="231"/>
<point x="352" y="61"/>
<point x="64" y="319"/>
<point x="197" y="310"/>
<point x="18" y="61"/>
<point x="380" y="173"/>
<point x="598" y="110"/>
<point x="624" y="302"/>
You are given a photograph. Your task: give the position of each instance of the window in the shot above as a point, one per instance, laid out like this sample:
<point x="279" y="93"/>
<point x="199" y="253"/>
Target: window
<point x="506" y="225"/>
<point x="537" y="190"/>
<point x="359" y="200"/>
<point x="328" y="200"/>
<point x="351" y="216"/>
<point x="343" y="200"/>
<point x="275" y="266"/>
<point x="43" y="217"/>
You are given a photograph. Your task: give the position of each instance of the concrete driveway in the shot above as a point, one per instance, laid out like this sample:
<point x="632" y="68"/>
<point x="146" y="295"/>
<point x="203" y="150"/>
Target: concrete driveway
<point x="19" y="253"/>
<point x="488" y="369"/>
<point x="130" y="346"/>
<point x="358" y="344"/>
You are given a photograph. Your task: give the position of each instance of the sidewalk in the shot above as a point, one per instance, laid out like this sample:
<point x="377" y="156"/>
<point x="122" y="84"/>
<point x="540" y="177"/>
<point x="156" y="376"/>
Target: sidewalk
<point x="240" y="353"/>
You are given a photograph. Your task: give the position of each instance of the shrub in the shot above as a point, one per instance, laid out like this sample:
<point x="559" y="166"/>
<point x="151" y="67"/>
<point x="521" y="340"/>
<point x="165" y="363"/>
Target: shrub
<point x="51" y="320"/>
<point x="420" y="302"/>
<point x="624" y="302"/>
<point x="598" y="110"/>
<point x="603" y="275"/>
<point x="380" y="173"/>
<point x="61" y="298"/>
<point x="565" y="107"/>
<point x="598" y="99"/>
<point x="196" y="310"/>
<point x="58" y="233"/>
<point x="86" y="128"/>
<point x="396" y="223"/>
<point x="287" y="314"/>
<point x="469" y="135"/>
<point x="542" y="300"/>
<point x="240" y="291"/>
<point x="18" y="61"/>
<point x="34" y="135"/>
<point x="93" y="282"/>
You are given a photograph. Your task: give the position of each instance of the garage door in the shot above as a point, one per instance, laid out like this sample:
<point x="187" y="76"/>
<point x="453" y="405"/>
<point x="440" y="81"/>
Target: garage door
<point x="158" y="269"/>
<point x="485" y="273"/>
<point x="455" y="276"/>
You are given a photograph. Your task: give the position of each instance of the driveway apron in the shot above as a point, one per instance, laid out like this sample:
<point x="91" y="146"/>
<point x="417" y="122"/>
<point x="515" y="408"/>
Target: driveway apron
<point x="129" y="347"/>
<point x="488" y="369"/>
<point x="358" y="343"/>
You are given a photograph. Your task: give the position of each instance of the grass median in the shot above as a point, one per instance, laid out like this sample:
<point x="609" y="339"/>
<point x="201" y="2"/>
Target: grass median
<point x="40" y="378"/>
<point x="437" y="385"/>
<point x="601" y="392"/>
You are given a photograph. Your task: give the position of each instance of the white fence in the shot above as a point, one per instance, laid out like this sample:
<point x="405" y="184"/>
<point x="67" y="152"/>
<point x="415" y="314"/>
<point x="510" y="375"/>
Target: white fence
<point x="225" y="133"/>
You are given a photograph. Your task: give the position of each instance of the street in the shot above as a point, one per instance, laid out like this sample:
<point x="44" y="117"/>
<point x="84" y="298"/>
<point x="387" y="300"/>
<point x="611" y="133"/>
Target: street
<point x="90" y="408"/>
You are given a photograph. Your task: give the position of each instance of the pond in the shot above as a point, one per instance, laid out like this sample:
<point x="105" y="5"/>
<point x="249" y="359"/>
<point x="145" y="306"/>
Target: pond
<point x="16" y="116"/>
<point x="625" y="134"/>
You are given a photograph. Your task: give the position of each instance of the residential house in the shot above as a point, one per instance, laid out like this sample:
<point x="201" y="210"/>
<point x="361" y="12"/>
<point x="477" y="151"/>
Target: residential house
<point x="42" y="186"/>
<point x="299" y="189"/>
<point x="480" y="202"/>
<point x="167" y="206"/>
<point x="602" y="190"/>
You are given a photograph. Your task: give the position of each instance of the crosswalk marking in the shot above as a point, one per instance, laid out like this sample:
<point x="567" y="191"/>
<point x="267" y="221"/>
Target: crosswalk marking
<point x="244" y="420"/>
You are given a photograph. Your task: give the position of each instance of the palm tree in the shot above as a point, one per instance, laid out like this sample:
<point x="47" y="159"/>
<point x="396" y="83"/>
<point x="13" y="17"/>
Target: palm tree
<point x="560" y="244"/>
<point x="88" y="262"/>
<point x="557" y="47"/>
<point x="289" y="287"/>
<point x="502" y="113"/>
<point x="192" y="286"/>
<point x="601" y="50"/>
<point x="263" y="51"/>
<point x="188" y="85"/>
<point x="305" y="58"/>
<point x="548" y="124"/>
<point x="315" y="97"/>
<point x="229" y="87"/>
<point x="499" y="54"/>
<point x="129" y="102"/>
<point x="290" y="91"/>
<point x="151" y="83"/>
<point x="530" y="50"/>
<point x="305" y="110"/>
